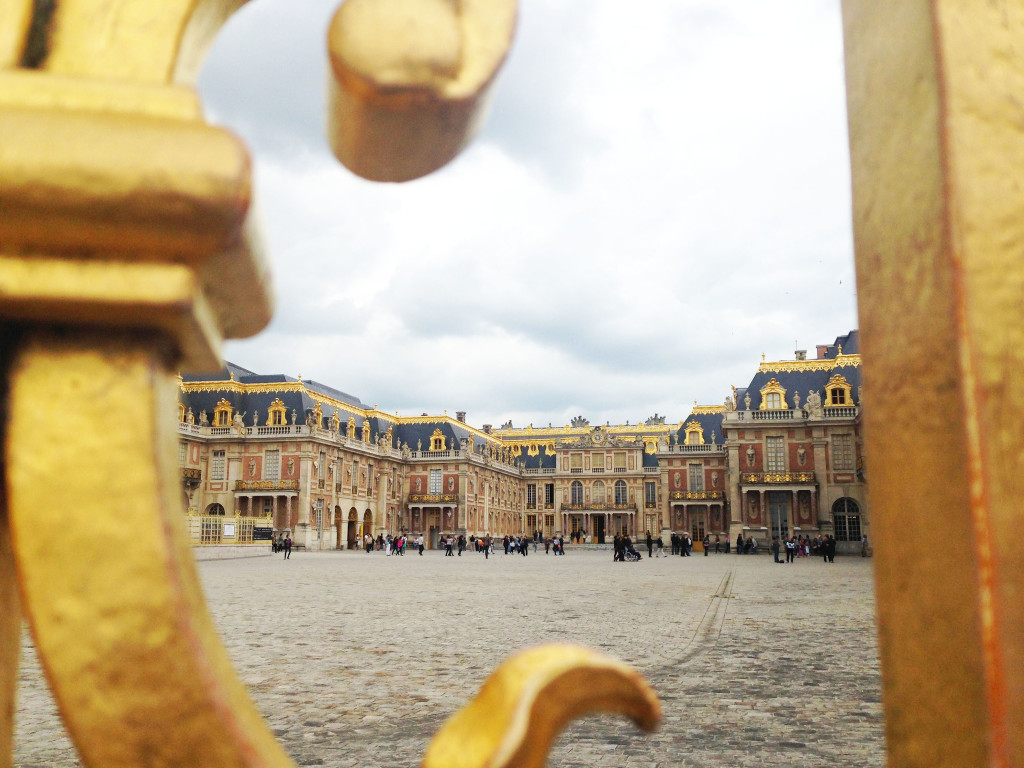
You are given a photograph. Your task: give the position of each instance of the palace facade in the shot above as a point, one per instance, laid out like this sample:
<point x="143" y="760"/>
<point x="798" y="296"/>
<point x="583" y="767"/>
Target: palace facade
<point x="264" y="454"/>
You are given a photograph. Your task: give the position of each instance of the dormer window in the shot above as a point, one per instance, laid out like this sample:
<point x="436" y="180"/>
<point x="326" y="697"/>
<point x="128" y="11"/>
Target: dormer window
<point x="181" y="411"/>
<point x="773" y="397"/>
<point x="350" y="428"/>
<point x="222" y="413"/>
<point x="276" y="413"/>
<point x="694" y="433"/>
<point x="437" y="441"/>
<point x="838" y="392"/>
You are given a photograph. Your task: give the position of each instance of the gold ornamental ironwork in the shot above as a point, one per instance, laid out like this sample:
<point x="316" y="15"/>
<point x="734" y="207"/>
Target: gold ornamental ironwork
<point x="128" y="251"/>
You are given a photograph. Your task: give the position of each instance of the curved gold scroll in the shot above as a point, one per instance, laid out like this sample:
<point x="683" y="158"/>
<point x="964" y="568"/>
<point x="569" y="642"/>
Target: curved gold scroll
<point x="529" y="698"/>
<point x="126" y="249"/>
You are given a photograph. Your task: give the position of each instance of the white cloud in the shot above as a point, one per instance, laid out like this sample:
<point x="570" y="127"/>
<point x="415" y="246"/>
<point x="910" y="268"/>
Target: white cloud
<point x="661" y="195"/>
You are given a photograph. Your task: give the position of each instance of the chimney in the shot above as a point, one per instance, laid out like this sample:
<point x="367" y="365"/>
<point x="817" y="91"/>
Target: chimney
<point x="487" y="429"/>
<point x="461" y="416"/>
<point x="801" y="354"/>
<point x="822" y="351"/>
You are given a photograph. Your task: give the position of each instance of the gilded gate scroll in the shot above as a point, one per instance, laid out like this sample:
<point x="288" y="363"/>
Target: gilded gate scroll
<point x="128" y="251"/>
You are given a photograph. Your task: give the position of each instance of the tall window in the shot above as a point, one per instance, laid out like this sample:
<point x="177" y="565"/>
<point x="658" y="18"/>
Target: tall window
<point x="272" y="465"/>
<point x="531" y="495"/>
<point x="268" y="507"/>
<point x="182" y="448"/>
<point x="549" y="495"/>
<point x="318" y="514"/>
<point x="217" y="465"/>
<point x="620" y="461"/>
<point x="842" y="452"/>
<point x="576" y="463"/>
<point x="620" y="492"/>
<point x="435" y="481"/>
<point x="775" y="454"/>
<point x="369" y="480"/>
<point x="577" y="493"/>
<point x="598" y="462"/>
<point x="650" y="494"/>
<point x="846" y="520"/>
<point x="696" y="477"/>
<point x="597" y="494"/>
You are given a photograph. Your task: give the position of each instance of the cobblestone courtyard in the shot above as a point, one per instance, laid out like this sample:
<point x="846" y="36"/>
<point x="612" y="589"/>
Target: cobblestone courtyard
<point x="356" y="659"/>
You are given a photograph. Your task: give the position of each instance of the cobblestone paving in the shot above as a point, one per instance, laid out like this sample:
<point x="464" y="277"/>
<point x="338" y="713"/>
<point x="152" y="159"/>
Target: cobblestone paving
<point x="356" y="659"/>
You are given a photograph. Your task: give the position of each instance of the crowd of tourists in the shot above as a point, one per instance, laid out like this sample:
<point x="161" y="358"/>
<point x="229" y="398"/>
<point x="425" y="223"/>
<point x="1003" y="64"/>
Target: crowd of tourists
<point x="805" y="546"/>
<point x="622" y="545"/>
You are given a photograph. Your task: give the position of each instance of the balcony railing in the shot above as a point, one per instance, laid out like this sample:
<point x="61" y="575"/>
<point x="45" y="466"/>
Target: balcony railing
<point x="775" y="478"/>
<point x="696" y="448"/>
<point x="266" y="485"/>
<point x="433" y="498"/>
<point x="599" y="506"/>
<point x="790" y="414"/>
<point x="695" y="495"/>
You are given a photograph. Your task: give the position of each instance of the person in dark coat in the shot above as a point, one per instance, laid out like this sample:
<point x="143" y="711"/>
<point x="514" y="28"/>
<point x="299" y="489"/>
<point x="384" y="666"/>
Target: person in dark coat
<point x="650" y="545"/>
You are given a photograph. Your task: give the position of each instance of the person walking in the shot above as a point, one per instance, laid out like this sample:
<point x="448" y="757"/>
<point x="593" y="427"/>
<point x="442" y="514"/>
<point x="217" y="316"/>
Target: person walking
<point x="650" y="545"/>
<point x="288" y="547"/>
<point x="707" y="544"/>
<point x="775" y="548"/>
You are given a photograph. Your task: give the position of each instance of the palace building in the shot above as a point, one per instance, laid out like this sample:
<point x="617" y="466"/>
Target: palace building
<point x="783" y="456"/>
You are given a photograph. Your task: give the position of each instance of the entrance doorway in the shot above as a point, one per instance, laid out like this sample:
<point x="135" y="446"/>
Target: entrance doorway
<point x="778" y="513"/>
<point x="351" y="535"/>
<point x="433" y="528"/>
<point x="597" y="523"/>
<point x="698" y="526"/>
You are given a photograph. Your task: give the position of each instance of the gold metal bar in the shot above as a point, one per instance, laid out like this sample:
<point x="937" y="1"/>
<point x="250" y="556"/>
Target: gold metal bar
<point x="10" y="608"/>
<point x="111" y="591"/>
<point x="936" y="147"/>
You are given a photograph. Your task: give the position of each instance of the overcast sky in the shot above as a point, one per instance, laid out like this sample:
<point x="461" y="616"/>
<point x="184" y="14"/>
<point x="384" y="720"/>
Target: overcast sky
<point x="659" y="196"/>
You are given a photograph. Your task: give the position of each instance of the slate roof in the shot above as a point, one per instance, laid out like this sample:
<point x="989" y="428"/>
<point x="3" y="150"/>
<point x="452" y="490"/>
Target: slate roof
<point x="709" y="422"/>
<point x="805" y="376"/>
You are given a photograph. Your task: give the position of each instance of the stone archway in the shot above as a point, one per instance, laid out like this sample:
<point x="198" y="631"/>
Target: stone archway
<point x="353" y="537"/>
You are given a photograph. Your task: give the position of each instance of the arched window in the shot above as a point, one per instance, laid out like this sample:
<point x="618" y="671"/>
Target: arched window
<point x="846" y="519"/>
<point x="222" y="413"/>
<point x="620" y="492"/>
<point x="215" y="509"/>
<point x="838" y="392"/>
<point x="598" y="495"/>
<point x="577" y="493"/>
<point x="276" y="413"/>
<point x="694" y="433"/>
<point x="773" y="396"/>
